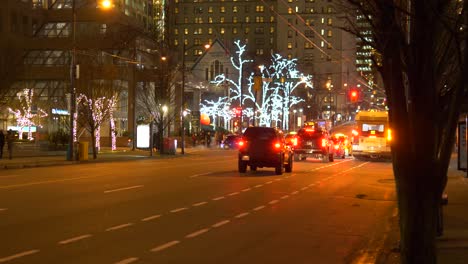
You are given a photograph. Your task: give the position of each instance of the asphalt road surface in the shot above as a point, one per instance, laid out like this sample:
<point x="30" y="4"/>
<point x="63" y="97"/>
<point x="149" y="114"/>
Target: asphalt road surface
<point x="196" y="209"/>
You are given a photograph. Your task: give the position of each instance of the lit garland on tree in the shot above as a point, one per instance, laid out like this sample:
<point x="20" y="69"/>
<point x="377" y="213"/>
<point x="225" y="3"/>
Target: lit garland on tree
<point x="25" y="116"/>
<point x="276" y="97"/>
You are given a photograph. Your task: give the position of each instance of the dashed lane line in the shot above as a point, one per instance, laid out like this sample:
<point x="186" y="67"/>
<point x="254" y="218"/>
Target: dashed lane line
<point x="258" y="185"/>
<point x="284" y="196"/>
<point x="259" y="208"/>
<point x="179" y="210"/>
<point x="221" y="223"/>
<point x="149" y="218"/>
<point x="127" y="261"/>
<point x="74" y="239"/>
<point x="218" y="198"/>
<point x="3" y="209"/>
<point x="199" y="204"/>
<point x="232" y="194"/>
<point x="118" y="227"/>
<point x="200" y="174"/>
<point x="242" y="215"/>
<point x="19" y="255"/>
<point x="124" y="189"/>
<point x="246" y="189"/>
<point x="273" y="201"/>
<point x="197" y="233"/>
<point x="165" y="246"/>
<point x="269" y="182"/>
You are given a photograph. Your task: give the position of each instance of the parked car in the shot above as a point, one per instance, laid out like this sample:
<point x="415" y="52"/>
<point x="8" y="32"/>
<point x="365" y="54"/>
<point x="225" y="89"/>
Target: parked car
<point x="264" y="147"/>
<point x="230" y="142"/>
<point x="313" y="142"/>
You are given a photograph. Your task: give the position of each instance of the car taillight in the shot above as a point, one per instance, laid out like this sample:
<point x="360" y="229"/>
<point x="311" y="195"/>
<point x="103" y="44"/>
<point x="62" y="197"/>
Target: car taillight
<point x="241" y="143"/>
<point x="389" y="134"/>
<point x="277" y="145"/>
<point x="324" y="142"/>
<point x="294" y="141"/>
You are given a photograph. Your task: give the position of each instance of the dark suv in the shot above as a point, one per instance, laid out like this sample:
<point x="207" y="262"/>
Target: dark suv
<point x="264" y="147"/>
<point x="312" y="142"/>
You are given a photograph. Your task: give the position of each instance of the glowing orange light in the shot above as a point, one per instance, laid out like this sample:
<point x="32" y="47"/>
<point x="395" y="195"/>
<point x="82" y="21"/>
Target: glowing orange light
<point x="241" y="143"/>
<point x="106" y="4"/>
<point x="277" y="145"/>
<point x="389" y="134"/>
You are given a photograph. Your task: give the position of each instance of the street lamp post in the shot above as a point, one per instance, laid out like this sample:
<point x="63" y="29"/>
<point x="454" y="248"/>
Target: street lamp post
<point x="182" y="100"/>
<point x="106" y="4"/>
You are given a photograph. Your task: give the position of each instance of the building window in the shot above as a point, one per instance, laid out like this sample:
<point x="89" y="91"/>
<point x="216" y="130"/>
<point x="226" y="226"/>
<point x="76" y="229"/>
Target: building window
<point x="290" y="33"/>
<point x="198" y="31"/>
<point x="221" y="20"/>
<point x="322" y="44"/>
<point x="210" y="9"/>
<point x="176" y="42"/>
<point x="289" y="56"/>
<point x="323" y="20"/>
<point x="322" y="32"/>
<point x="272" y="19"/>
<point x="186" y="31"/>
<point x="210" y="31"/>
<point x="234" y="30"/>
<point x="329" y="9"/>
<point x="289" y="45"/>
<point x="259" y="8"/>
<point x="234" y="9"/>
<point x="176" y="31"/>
<point x="210" y="20"/>
<point x="221" y="31"/>
<point x="329" y="21"/>
<point x="308" y="45"/>
<point x="311" y="10"/>
<point x="176" y="10"/>
<point x="330" y="33"/>
<point x="234" y="19"/>
<point x="290" y="11"/>
<point x="329" y="46"/>
<point x="246" y="30"/>
<point x="247" y="19"/>
<point x="272" y="30"/>
<point x="198" y="20"/>
<point x="259" y="19"/>
<point x="259" y="52"/>
<point x="259" y="30"/>
<point x="222" y="9"/>
<point x="186" y="20"/>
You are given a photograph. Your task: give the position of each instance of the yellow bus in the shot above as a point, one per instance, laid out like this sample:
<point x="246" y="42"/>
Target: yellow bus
<point x="372" y="135"/>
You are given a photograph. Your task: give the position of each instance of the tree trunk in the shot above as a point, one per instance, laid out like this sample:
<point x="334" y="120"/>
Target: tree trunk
<point x="93" y="142"/>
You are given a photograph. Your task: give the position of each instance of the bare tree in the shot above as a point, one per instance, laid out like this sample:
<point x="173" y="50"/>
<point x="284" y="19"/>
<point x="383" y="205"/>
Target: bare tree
<point x="420" y="50"/>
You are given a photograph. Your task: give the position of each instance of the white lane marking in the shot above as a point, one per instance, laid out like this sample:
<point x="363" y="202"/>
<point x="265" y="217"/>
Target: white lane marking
<point x="118" y="227"/>
<point x="19" y="255"/>
<point x="259" y="207"/>
<point x="221" y="223"/>
<point x="242" y="215"/>
<point x="127" y="261"/>
<point x="74" y="239"/>
<point x="200" y="203"/>
<point x="234" y="193"/>
<point x="3" y="209"/>
<point x="284" y="196"/>
<point x="218" y="198"/>
<point x="247" y="189"/>
<point x="295" y="192"/>
<point x="123" y="189"/>
<point x="197" y="233"/>
<point x="179" y="209"/>
<point x="304" y="188"/>
<point x="258" y="185"/>
<point x="273" y="202"/>
<point x="312" y="184"/>
<point x="164" y="246"/>
<point x="200" y="174"/>
<point x="149" y="218"/>
<point x="269" y="182"/>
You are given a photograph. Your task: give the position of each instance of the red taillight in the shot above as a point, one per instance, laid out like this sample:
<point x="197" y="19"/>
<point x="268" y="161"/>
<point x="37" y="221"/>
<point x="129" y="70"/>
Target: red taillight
<point x="294" y="141"/>
<point x="337" y="146"/>
<point x="277" y="145"/>
<point x="241" y="143"/>
<point x="324" y="142"/>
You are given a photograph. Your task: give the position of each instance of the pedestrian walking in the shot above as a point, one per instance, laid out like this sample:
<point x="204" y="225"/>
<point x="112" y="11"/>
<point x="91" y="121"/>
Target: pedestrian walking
<point x="10" y="138"/>
<point x="2" y="143"/>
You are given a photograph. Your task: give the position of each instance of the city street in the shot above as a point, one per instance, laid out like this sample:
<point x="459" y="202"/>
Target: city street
<point x="196" y="209"/>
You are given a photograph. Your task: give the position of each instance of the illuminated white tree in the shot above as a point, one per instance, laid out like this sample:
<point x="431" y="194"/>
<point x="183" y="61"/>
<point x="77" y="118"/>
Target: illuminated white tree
<point x="26" y="117"/>
<point x="277" y="95"/>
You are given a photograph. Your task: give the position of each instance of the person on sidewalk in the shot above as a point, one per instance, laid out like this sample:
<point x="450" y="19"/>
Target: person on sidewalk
<point x="10" y="138"/>
<point x="2" y="143"/>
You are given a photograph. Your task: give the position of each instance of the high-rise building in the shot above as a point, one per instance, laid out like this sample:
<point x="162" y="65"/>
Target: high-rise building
<point x="114" y="46"/>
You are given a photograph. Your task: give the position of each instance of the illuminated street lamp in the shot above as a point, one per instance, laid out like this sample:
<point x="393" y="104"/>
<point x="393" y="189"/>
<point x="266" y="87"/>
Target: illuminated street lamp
<point x="105" y="4"/>
<point x="182" y="100"/>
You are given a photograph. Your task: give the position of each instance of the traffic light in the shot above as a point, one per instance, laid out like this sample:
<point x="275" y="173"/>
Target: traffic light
<point x="353" y="95"/>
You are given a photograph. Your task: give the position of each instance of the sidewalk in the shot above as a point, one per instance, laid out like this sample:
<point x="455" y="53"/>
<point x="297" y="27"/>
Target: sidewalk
<point x="452" y="246"/>
<point x="54" y="158"/>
